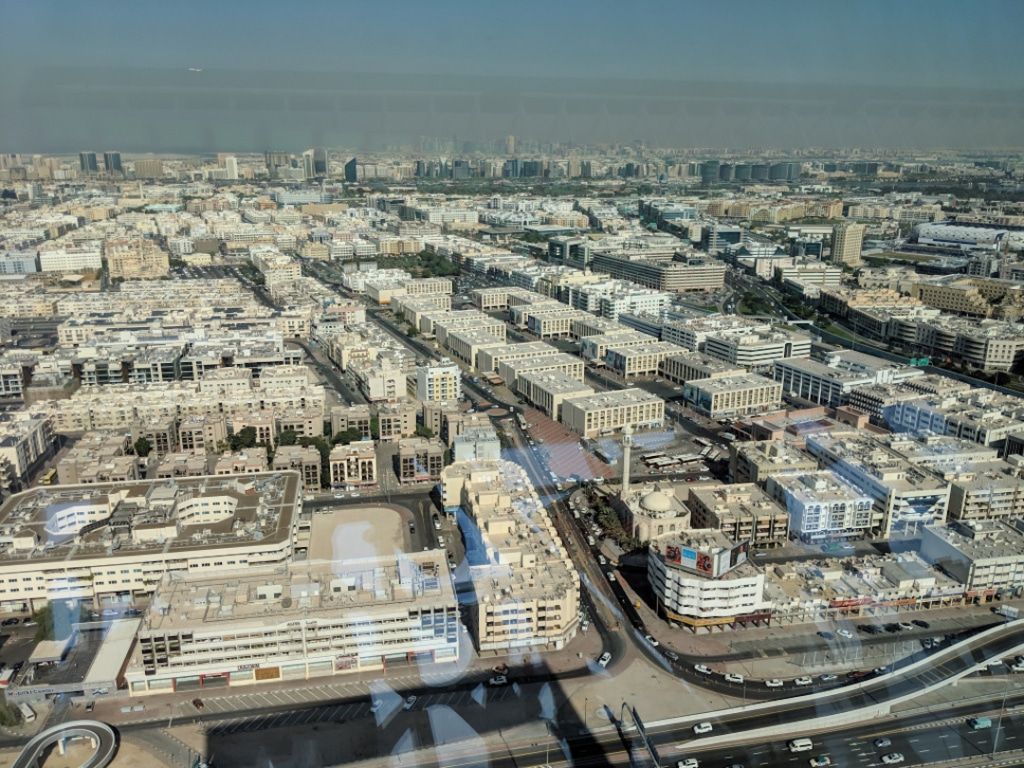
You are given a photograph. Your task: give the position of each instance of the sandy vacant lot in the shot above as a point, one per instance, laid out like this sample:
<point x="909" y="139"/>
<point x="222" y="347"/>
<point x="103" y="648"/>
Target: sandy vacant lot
<point x="350" y="532"/>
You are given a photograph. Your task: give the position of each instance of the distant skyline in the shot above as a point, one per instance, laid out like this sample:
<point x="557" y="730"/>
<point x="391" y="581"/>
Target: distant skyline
<point x="740" y="74"/>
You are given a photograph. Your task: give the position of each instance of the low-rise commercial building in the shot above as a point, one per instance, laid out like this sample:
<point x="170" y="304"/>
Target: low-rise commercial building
<point x="822" y="505"/>
<point x="757" y="461"/>
<point x="986" y="556"/>
<point x="295" y="622"/>
<point x="604" y="413"/>
<point x="729" y="396"/>
<point x="703" y="581"/>
<point x="743" y="512"/>
<point x="548" y="389"/>
<point x="640" y="359"/>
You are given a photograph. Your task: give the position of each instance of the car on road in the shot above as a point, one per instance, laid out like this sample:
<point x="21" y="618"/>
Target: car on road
<point x="611" y="577"/>
<point x="690" y="762"/>
<point x="702" y="669"/>
<point x="198" y="703"/>
<point x="652" y="640"/>
<point x="892" y="758"/>
<point x="672" y="655"/>
<point x="882" y="743"/>
<point x="892" y="628"/>
<point x="376" y="706"/>
<point x="732" y="677"/>
<point x="905" y="625"/>
<point x="498" y="680"/>
<point x="89" y="706"/>
<point x="828" y="678"/>
<point x="819" y="761"/>
<point x="773" y="683"/>
<point x="844" y="633"/>
<point x="825" y="635"/>
<point x="602" y="560"/>
<point x="920" y="623"/>
<point x="9" y="622"/>
<point x="604" y="659"/>
<point x="702" y="728"/>
<point x="803" y="681"/>
<point x="410" y="702"/>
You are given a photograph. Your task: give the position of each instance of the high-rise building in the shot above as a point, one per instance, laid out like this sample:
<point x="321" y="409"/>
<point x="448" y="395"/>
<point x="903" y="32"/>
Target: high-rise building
<point x="319" y="161"/>
<point x="352" y="171"/>
<point x="510" y="145"/>
<point x="152" y="168"/>
<point x="87" y="162"/>
<point x="231" y="167"/>
<point x="112" y="162"/>
<point x="308" y="165"/>
<point x="275" y="160"/>
<point x="847" y="240"/>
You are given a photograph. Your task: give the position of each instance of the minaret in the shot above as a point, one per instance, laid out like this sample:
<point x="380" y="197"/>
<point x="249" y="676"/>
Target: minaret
<point x="627" y="444"/>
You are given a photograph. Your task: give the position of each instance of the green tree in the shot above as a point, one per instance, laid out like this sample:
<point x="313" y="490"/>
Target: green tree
<point x="243" y="438"/>
<point x="142" y="447"/>
<point x="287" y="437"/>
<point x="347" y="436"/>
<point x="424" y="431"/>
<point x="375" y="428"/>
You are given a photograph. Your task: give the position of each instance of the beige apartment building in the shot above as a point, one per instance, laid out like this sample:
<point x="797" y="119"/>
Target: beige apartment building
<point x="202" y="434"/>
<point x="604" y="413"/>
<point x="548" y="389"/>
<point x="847" y="241"/>
<point x="419" y="459"/>
<point x="528" y="590"/>
<point x="396" y="420"/>
<point x="729" y="396"/>
<point x="354" y="464"/>
<point x="304" y="459"/>
<point x="742" y="512"/>
<point x="639" y="360"/>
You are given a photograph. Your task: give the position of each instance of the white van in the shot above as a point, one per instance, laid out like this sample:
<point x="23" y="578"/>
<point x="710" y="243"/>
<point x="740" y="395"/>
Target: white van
<point x="800" y="745"/>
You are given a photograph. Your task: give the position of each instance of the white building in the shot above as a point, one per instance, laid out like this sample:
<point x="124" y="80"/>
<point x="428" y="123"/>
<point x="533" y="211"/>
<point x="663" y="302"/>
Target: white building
<point x="703" y="580"/>
<point x="438" y="382"/>
<point x="822" y="505"/>
<point x="296" y="622"/>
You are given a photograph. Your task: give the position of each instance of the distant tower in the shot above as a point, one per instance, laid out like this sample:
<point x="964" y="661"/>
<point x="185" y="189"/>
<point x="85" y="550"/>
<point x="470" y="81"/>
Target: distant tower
<point x="510" y="145"/>
<point x="627" y="444"/>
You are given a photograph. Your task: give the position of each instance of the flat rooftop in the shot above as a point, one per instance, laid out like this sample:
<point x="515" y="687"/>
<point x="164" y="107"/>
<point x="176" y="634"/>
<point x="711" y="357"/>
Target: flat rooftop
<point x="79" y="522"/>
<point x="273" y="595"/>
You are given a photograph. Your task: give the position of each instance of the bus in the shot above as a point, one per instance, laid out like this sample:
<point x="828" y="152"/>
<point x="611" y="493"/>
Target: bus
<point x="702" y="441"/>
<point x="48" y="477"/>
<point x="27" y="713"/>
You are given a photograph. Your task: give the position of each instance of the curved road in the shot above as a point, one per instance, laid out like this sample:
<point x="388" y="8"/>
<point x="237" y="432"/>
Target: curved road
<point x="103" y="734"/>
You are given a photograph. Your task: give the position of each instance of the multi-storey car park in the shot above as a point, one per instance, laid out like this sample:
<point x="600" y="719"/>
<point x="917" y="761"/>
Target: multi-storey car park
<point x="295" y="622"/>
<point x="113" y="542"/>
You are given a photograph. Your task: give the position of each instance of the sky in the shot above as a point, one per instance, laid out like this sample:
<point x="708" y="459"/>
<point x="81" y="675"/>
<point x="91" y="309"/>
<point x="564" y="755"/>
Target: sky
<point x="785" y="73"/>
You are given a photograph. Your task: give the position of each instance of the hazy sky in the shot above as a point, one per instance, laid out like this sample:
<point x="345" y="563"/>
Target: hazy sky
<point x="107" y="74"/>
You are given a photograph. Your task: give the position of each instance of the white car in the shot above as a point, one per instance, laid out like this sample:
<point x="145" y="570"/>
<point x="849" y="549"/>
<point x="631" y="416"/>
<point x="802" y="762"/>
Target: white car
<point x="893" y="758"/>
<point x="803" y="681"/>
<point x="732" y="677"/>
<point x="844" y="633"/>
<point x="498" y="680"/>
<point x="605" y="658"/>
<point x="410" y="702"/>
<point x="702" y="728"/>
<point x="703" y="669"/>
<point x="773" y="683"/>
<point x="690" y="762"/>
<point x="652" y="640"/>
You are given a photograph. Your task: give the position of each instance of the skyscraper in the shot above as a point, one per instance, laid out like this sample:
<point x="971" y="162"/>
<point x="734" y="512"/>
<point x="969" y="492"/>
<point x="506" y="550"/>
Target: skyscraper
<point x="112" y="162"/>
<point x="231" y="168"/>
<point x="320" y="161"/>
<point x="87" y="162"/>
<point x="352" y="171"/>
<point x="510" y="145"/>
<point x="847" y="240"/>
